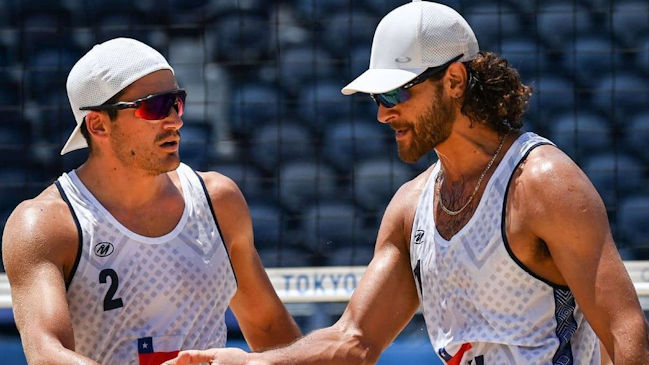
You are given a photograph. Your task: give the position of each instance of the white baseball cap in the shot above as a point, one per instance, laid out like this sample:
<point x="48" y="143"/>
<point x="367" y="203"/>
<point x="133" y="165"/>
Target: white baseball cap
<point x="104" y="71"/>
<point x="411" y="39"/>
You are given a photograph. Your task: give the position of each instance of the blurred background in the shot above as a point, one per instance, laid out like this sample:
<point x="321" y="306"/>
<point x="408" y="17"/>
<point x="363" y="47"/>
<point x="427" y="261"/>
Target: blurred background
<point x="264" y="108"/>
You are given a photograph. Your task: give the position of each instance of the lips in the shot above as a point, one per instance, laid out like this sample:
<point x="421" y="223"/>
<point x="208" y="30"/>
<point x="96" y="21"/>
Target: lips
<point x="170" y="145"/>
<point x="400" y="133"/>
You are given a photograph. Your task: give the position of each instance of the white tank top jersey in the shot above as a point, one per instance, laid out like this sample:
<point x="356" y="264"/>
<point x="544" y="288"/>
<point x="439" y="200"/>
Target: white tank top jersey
<point x="138" y="300"/>
<point x="480" y="303"/>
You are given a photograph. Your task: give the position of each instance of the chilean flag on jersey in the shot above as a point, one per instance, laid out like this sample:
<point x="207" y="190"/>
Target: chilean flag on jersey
<point x="149" y="356"/>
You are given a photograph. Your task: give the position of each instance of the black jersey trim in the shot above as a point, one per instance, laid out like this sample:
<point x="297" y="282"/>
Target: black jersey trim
<point x="79" y="233"/>
<point x="216" y="222"/>
<point x="502" y="223"/>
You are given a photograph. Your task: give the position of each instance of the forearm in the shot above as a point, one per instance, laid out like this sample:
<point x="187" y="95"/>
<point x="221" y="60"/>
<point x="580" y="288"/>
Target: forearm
<point x="53" y="354"/>
<point x="323" y="347"/>
<point x="630" y="342"/>
<point x="281" y="332"/>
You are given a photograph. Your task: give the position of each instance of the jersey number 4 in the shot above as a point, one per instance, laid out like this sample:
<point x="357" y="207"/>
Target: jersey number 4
<point x="109" y="301"/>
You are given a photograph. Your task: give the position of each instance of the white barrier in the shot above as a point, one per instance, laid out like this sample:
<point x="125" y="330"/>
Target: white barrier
<point x="336" y="284"/>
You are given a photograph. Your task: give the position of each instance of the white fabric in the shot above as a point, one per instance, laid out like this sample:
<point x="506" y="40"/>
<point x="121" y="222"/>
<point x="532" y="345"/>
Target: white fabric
<point x="174" y="289"/>
<point x="104" y="71"/>
<point x="474" y="291"/>
<point x="412" y="38"/>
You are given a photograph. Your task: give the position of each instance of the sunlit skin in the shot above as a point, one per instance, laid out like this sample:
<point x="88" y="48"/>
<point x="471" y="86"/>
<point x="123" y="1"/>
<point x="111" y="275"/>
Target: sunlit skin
<point x="433" y="126"/>
<point x="156" y="151"/>
<point x="130" y="157"/>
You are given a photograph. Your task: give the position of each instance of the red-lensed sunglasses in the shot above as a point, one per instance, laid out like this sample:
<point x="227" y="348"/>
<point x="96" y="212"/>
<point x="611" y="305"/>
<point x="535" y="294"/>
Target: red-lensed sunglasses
<point x="152" y="107"/>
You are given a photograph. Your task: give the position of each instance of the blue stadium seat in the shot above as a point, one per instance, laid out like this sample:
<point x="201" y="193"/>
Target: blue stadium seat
<point x="322" y="103"/>
<point x="345" y="29"/>
<point x="186" y="50"/>
<point x="552" y="95"/>
<point x="351" y="256"/>
<point x="61" y="59"/>
<point x="286" y="256"/>
<point x="589" y="57"/>
<point x="280" y="143"/>
<point x="359" y="60"/>
<point x="225" y="6"/>
<point x="195" y="145"/>
<point x="580" y="135"/>
<point x="253" y="105"/>
<point x="632" y="218"/>
<point x="8" y="17"/>
<point x="493" y="21"/>
<point x="383" y="7"/>
<point x="301" y="183"/>
<point x="376" y="180"/>
<point x="558" y="22"/>
<point x="14" y="139"/>
<point x="247" y="177"/>
<point x="630" y="21"/>
<point x="268" y="225"/>
<point x="526" y="55"/>
<point x="113" y="24"/>
<point x="241" y="37"/>
<point x="636" y="135"/>
<point x="348" y="142"/>
<point x="642" y="57"/>
<point x="316" y="10"/>
<point x="328" y="225"/>
<point x="18" y="184"/>
<point x="9" y="93"/>
<point x="621" y="94"/>
<point x="40" y="30"/>
<point x="301" y="66"/>
<point x="615" y="176"/>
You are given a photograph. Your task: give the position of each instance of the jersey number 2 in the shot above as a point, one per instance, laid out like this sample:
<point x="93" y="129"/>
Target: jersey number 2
<point x="109" y="301"/>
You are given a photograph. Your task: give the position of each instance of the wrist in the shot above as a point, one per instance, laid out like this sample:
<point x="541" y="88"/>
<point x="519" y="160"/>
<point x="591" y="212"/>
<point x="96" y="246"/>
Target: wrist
<point x="258" y="358"/>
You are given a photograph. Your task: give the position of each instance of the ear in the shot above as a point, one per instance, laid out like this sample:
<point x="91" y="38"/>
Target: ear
<point x="98" y="124"/>
<point x="457" y="78"/>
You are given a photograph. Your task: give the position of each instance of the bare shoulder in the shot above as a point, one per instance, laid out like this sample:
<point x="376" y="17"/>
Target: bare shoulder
<point x="548" y="180"/>
<point x="40" y="229"/>
<point x="220" y="187"/>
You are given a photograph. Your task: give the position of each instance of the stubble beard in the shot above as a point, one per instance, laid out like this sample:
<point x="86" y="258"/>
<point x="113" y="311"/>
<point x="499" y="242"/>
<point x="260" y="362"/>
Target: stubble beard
<point x="431" y="129"/>
<point x="144" y="159"/>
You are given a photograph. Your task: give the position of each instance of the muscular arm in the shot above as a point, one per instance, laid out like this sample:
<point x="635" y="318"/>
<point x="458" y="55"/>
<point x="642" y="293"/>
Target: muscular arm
<point x="381" y="306"/>
<point x="39" y="244"/>
<point x="563" y="209"/>
<point x="263" y="319"/>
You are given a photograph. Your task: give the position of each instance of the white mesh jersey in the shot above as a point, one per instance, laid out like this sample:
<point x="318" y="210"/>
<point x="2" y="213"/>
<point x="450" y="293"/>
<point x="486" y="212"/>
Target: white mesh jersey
<point x="482" y="305"/>
<point x="132" y="297"/>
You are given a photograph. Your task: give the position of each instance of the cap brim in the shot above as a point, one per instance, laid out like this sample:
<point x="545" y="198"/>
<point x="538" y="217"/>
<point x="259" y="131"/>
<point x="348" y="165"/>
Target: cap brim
<point x="377" y="81"/>
<point x="75" y="142"/>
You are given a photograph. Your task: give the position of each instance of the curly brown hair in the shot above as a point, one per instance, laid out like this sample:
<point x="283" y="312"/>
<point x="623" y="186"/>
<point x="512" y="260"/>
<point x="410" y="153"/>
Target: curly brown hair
<point x="495" y="93"/>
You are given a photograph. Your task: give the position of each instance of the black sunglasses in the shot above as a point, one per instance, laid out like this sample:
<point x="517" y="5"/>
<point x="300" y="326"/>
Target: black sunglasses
<point x="399" y="95"/>
<point x="152" y="107"/>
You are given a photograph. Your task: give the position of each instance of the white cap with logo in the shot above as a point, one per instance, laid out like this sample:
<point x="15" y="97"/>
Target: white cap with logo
<point x="104" y="71"/>
<point x="409" y="40"/>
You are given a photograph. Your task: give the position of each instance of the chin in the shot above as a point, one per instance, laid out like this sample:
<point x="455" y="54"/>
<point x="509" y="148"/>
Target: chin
<point x="410" y="155"/>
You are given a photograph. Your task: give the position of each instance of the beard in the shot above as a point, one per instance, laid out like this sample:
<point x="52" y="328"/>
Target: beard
<point x="430" y="129"/>
<point x="143" y="156"/>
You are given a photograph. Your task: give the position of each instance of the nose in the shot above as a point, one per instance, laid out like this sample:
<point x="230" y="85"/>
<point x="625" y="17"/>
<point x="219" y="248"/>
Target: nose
<point x="385" y="115"/>
<point x="173" y="120"/>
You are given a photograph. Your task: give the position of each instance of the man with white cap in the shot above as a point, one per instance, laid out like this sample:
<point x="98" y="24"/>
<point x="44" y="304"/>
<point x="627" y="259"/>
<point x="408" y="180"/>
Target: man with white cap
<point x="134" y="256"/>
<point x="504" y="243"/>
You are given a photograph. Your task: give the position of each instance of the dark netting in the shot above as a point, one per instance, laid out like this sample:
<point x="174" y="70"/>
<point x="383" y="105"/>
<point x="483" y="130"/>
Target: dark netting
<point x="264" y="107"/>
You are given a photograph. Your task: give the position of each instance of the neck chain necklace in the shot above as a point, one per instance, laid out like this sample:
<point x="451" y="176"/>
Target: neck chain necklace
<point x="438" y="183"/>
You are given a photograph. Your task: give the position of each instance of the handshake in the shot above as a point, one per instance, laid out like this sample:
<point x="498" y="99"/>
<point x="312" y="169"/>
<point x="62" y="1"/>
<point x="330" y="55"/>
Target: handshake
<point x="219" y="356"/>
